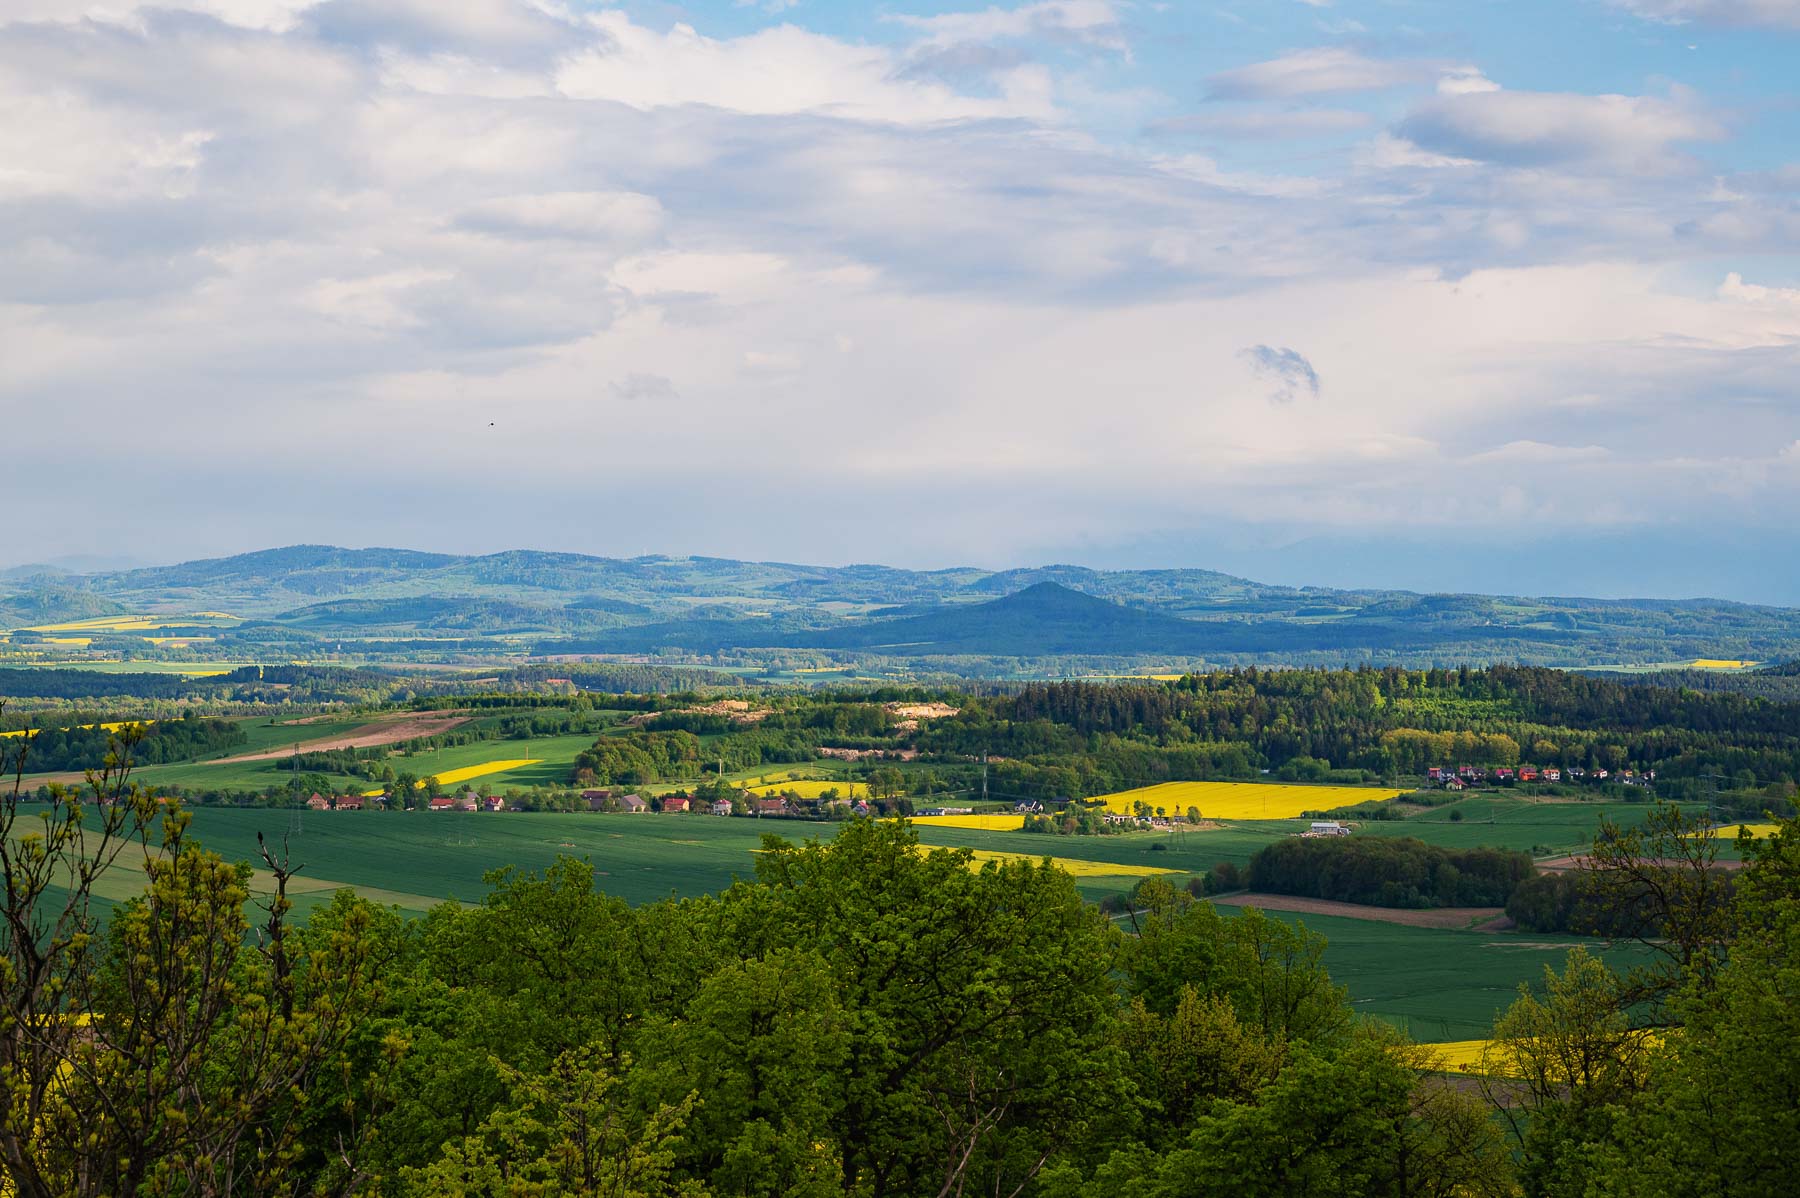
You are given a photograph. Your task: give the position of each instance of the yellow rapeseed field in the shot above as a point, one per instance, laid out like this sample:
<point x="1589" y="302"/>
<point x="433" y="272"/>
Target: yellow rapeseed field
<point x="452" y="777"/>
<point x="467" y="772"/>
<point x="1079" y="869"/>
<point x="812" y="789"/>
<point x="1719" y="663"/>
<point x="1460" y="1056"/>
<point x="1243" y="800"/>
<point x="1754" y="831"/>
<point x="984" y="823"/>
<point x="112" y="727"/>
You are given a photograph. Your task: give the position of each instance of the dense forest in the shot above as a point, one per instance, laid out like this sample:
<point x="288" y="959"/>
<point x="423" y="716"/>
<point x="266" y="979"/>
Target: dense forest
<point x="85" y="747"/>
<point x="1389" y="872"/>
<point x="1382" y="722"/>
<point x="865" y="1018"/>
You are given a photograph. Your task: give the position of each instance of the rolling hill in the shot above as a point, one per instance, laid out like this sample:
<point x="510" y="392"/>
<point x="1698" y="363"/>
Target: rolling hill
<point x="308" y="598"/>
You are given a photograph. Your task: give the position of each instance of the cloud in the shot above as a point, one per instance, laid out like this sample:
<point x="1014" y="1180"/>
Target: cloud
<point x="304" y="239"/>
<point x="641" y="387"/>
<point x="1638" y="134"/>
<point x="1286" y="369"/>
<point x="780" y="71"/>
<point x="1319" y="71"/>
<point x="1745" y="14"/>
<point x="1092" y="23"/>
<point x="1291" y="124"/>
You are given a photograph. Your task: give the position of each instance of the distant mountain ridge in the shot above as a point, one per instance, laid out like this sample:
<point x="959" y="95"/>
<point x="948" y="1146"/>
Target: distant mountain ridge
<point x="570" y="603"/>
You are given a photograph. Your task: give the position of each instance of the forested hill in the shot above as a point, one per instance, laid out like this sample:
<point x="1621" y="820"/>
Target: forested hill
<point x="288" y="601"/>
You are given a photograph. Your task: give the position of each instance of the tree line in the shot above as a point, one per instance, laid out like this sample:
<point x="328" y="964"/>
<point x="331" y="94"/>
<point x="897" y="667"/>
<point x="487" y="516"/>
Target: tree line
<point x="1389" y="871"/>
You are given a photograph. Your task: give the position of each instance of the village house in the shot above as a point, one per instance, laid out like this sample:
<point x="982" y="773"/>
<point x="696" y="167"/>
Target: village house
<point x="495" y="803"/>
<point x="348" y="802"/>
<point x="442" y="803"/>
<point x="675" y="805"/>
<point x="634" y="804"/>
<point x="469" y="802"/>
<point x="721" y="806"/>
<point x="768" y="807"/>
<point x="1552" y="774"/>
<point x="319" y="802"/>
<point x="1455" y="784"/>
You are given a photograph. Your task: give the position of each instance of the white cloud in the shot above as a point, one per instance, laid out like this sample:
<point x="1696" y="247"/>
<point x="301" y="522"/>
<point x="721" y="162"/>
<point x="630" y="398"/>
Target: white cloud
<point x="653" y="246"/>
<point x="1525" y="128"/>
<point x="1318" y="71"/>
<point x="1266" y="123"/>
<point x="778" y="71"/>
<point x="274" y="15"/>
<point x="1093" y="22"/>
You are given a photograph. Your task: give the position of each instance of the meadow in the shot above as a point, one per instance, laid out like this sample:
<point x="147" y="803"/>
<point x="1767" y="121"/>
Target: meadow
<point x="1439" y="984"/>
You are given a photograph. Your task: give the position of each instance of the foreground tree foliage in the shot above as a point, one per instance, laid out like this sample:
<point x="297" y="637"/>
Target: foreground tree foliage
<point x="864" y="1018"/>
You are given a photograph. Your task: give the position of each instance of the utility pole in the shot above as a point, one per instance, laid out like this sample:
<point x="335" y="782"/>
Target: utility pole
<point x="984" y="797"/>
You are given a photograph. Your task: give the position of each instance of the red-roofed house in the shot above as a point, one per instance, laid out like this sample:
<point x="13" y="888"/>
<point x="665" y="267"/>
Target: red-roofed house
<point x="318" y="802"/>
<point x="675" y="805"/>
<point x="443" y="803"/>
<point x="349" y="802"/>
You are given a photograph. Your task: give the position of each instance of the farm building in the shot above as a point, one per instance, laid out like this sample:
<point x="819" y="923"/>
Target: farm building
<point x="442" y="803"/>
<point x="675" y="805"/>
<point x="348" y="802"/>
<point x="634" y="804"/>
<point x="1328" y="828"/>
<point x="318" y="802"/>
<point x="768" y="806"/>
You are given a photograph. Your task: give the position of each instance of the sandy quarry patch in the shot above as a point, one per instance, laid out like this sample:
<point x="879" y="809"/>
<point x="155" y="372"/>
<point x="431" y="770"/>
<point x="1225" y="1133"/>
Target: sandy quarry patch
<point x="390" y="730"/>
<point x="739" y="711"/>
<point x="1440" y="917"/>
<point x="923" y="711"/>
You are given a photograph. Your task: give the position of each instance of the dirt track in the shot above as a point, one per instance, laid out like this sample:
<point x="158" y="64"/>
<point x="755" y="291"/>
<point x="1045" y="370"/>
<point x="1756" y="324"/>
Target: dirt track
<point x="1440" y="917"/>
<point x="392" y="730"/>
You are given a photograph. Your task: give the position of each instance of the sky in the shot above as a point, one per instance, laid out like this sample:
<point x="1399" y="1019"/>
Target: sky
<point x="1497" y="295"/>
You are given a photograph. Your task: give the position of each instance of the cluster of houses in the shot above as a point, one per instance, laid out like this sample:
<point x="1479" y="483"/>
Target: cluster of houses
<point x="1466" y="776"/>
<point x="463" y="802"/>
<point x="627" y="802"/>
<point x="637" y="804"/>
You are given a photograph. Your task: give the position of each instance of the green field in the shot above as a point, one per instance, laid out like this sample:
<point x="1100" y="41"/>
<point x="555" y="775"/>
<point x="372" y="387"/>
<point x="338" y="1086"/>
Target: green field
<point x="1438" y="984"/>
<point x="1509" y="823"/>
<point x="1443" y="985"/>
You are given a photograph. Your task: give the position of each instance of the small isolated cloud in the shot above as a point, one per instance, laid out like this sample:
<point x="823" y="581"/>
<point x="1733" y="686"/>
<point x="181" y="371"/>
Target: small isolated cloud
<point x="1522" y="128"/>
<point x="1529" y="452"/>
<point x="1318" y="71"/>
<point x="644" y="388"/>
<point x="1287" y="370"/>
<point x="1743" y="14"/>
